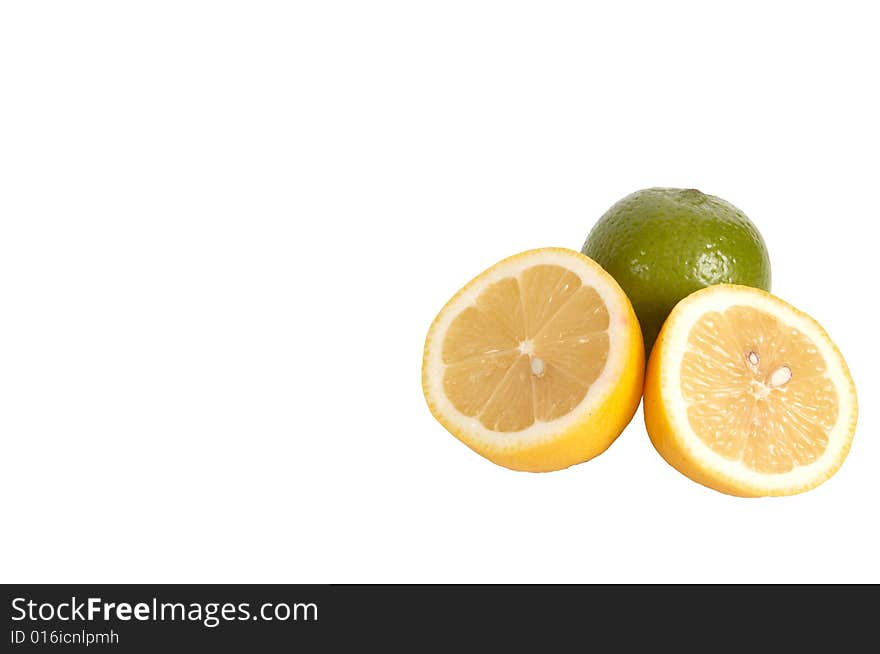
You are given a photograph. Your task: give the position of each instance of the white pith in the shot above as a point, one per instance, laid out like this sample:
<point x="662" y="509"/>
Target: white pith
<point x="590" y="274"/>
<point x="678" y="330"/>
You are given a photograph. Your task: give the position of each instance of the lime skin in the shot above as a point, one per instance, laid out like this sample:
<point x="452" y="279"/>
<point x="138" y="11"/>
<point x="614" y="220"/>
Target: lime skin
<point x="662" y="244"/>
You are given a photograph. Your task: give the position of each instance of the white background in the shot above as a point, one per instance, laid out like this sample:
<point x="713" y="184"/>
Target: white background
<point x="225" y="228"/>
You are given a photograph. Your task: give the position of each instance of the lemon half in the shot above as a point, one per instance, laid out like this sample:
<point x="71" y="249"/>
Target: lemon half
<point x="537" y="363"/>
<point x="747" y="395"/>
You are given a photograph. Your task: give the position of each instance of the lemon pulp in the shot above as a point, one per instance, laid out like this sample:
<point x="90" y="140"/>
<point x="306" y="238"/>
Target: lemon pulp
<point x="528" y="350"/>
<point x="756" y="390"/>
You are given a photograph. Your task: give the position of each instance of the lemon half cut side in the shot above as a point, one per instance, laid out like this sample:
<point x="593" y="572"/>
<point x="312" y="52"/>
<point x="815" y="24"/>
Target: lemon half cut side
<point x="537" y="363"/>
<point x="747" y="395"/>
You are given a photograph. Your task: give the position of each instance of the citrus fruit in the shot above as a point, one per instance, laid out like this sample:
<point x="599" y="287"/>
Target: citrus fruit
<point x="537" y="363"/>
<point x="661" y="244"/>
<point x="747" y="395"/>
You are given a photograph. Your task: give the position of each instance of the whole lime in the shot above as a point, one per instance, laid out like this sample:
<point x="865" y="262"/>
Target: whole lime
<point x="662" y="244"/>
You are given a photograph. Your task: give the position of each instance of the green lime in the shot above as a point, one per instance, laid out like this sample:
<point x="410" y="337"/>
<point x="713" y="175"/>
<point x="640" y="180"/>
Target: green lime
<point x="662" y="244"/>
